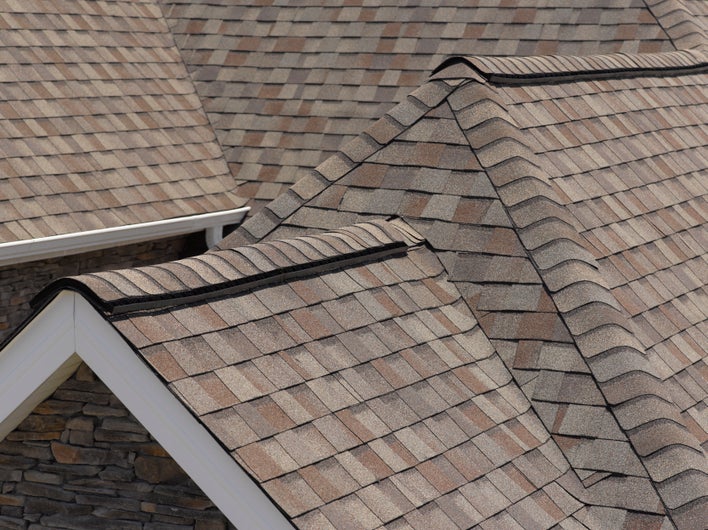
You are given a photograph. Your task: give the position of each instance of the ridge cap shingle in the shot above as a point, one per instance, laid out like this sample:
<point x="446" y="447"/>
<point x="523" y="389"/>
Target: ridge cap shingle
<point x="230" y="270"/>
<point x="624" y="352"/>
<point x="670" y="15"/>
<point x="557" y="68"/>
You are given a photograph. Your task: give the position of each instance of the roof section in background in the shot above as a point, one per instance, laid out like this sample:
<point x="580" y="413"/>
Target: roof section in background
<point x="101" y="126"/>
<point x="563" y="195"/>
<point x="699" y="9"/>
<point x="285" y="85"/>
<point x="685" y="21"/>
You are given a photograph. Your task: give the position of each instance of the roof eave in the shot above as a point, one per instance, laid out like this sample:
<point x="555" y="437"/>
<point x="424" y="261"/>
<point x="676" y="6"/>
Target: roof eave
<point x="16" y="252"/>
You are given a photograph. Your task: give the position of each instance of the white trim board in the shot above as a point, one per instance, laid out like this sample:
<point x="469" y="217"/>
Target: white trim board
<point x="14" y="252"/>
<point x="68" y="330"/>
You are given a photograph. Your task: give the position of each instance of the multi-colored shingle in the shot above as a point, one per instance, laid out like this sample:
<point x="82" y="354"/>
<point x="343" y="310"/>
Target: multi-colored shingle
<point x="487" y="309"/>
<point x="570" y="165"/>
<point x="287" y="85"/>
<point x="101" y="124"/>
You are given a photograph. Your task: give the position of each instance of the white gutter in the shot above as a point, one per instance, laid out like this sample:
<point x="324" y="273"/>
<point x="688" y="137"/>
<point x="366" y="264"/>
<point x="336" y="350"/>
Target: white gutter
<point x="15" y="252"/>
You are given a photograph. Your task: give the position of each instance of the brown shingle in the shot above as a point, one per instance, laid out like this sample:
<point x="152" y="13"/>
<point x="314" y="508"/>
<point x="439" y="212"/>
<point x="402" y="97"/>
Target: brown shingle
<point x="245" y="381"/>
<point x="352" y="509"/>
<point x="385" y="500"/>
<point x="527" y="263"/>
<point x="194" y="355"/>
<point x="293" y="494"/>
<point x="329" y="480"/>
<point x="267" y="459"/>
<point x="316" y="322"/>
<point x="110" y="147"/>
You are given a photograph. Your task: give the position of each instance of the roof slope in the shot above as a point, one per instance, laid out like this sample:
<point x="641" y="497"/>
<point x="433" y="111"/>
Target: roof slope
<point x="638" y="192"/>
<point x="101" y="124"/>
<point x="629" y="171"/>
<point x="285" y="85"/>
<point x="683" y="20"/>
<point x="542" y="183"/>
<point x="348" y="377"/>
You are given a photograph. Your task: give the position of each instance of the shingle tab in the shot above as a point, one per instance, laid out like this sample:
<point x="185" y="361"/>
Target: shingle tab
<point x="276" y="85"/>
<point x="349" y="416"/>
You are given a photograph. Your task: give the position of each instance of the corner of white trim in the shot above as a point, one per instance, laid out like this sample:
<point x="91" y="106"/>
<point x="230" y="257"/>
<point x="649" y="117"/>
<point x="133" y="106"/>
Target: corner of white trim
<point x="37" y="361"/>
<point x="68" y="330"/>
<point x="182" y="436"/>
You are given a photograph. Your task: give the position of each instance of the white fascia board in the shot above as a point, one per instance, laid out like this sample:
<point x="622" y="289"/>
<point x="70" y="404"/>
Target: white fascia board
<point x="14" y="252"/>
<point x="36" y="362"/>
<point x="68" y="330"/>
<point x="173" y="426"/>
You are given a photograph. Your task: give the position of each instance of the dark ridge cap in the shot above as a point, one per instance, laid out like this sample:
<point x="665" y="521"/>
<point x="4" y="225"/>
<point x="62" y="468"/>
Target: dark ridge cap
<point x="239" y="285"/>
<point x="559" y="68"/>
<point x="393" y="238"/>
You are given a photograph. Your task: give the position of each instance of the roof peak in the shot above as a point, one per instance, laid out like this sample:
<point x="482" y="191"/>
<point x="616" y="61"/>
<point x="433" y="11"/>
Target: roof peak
<point x="555" y="68"/>
<point x="233" y="270"/>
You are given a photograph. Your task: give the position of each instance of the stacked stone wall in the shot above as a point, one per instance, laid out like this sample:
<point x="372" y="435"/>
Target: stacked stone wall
<point x="82" y="461"/>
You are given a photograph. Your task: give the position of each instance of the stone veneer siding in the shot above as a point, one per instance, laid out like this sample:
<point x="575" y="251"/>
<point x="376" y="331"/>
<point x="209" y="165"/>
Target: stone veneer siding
<point x="82" y="461"/>
<point x="19" y="283"/>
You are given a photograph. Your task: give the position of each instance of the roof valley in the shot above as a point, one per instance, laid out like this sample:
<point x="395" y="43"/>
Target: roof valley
<point x="165" y="9"/>
<point x="598" y="484"/>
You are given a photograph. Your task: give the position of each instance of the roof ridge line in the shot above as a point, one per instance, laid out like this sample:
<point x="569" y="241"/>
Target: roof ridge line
<point x="374" y="138"/>
<point x="594" y="346"/>
<point x="560" y="68"/>
<point x="670" y="15"/>
<point x="262" y="279"/>
<point x="242" y="269"/>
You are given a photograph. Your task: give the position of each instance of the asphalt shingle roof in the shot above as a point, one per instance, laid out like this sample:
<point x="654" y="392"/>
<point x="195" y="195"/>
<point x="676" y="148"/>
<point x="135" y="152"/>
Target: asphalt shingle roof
<point x="101" y="124"/>
<point x="286" y="85"/>
<point x="525" y="348"/>
<point x="347" y="376"/>
<point x="522" y="198"/>
<point x="683" y="20"/>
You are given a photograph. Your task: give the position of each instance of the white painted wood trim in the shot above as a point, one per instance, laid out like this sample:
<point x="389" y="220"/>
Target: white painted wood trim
<point x="179" y="433"/>
<point x="37" y="361"/>
<point x="14" y="252"/>
<point x="68" y="330"/>
<point x="213" y="234"/>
